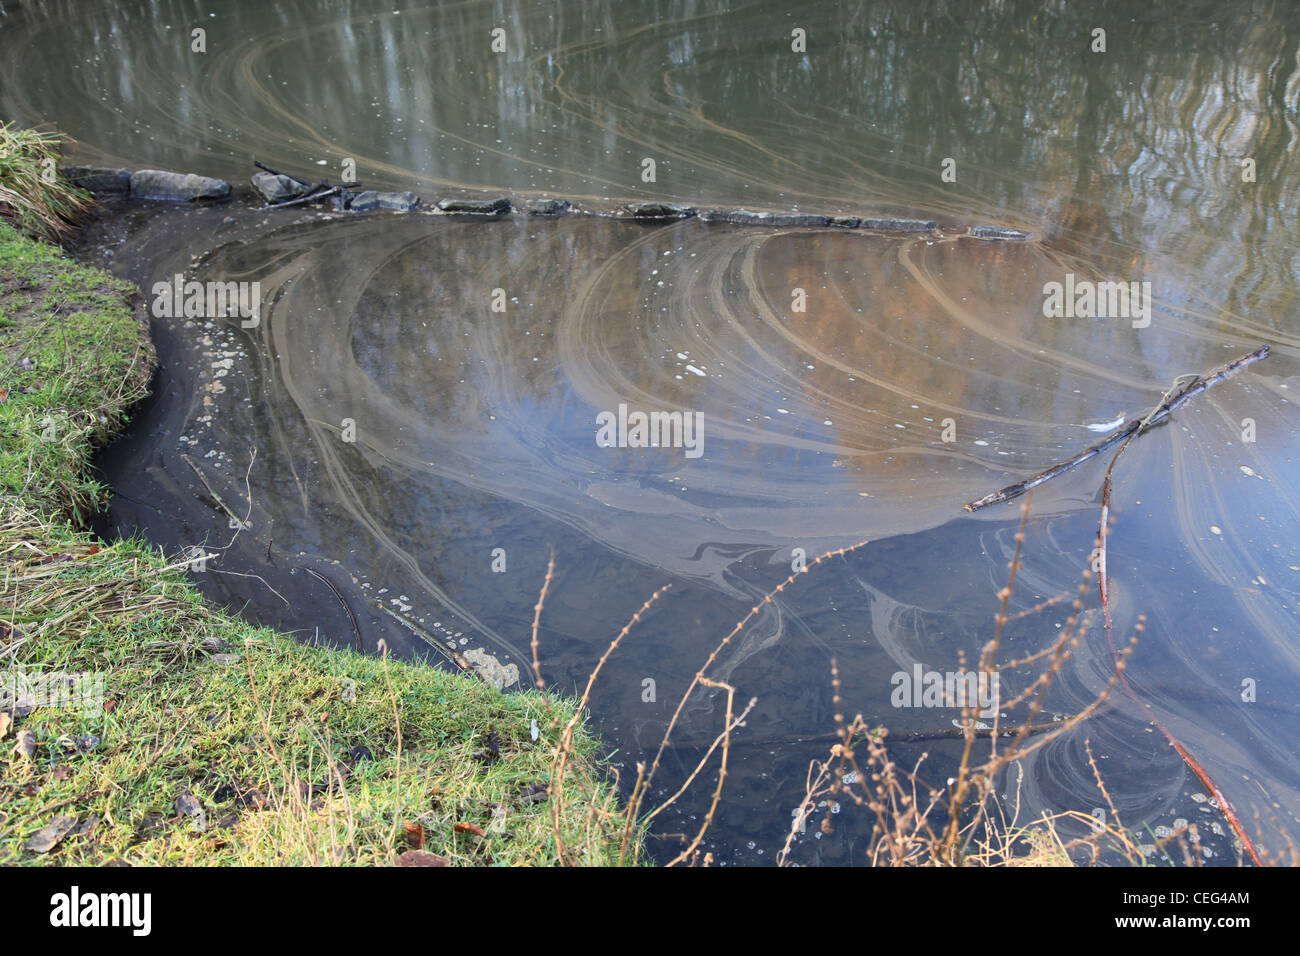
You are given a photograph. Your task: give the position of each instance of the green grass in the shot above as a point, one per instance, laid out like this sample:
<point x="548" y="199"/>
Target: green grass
<point x="32" y="194"/>
<point x="73" y="356"/>
<point x="217" y="742"/>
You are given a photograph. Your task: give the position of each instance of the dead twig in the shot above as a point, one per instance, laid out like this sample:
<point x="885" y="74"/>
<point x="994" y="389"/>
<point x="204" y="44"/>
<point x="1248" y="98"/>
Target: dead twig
<point x="212" y="492"/>
<point x="347" y="607"/>
<point x="1169" y="400"/>
<point x="310" y="197"/>
<point x="1163" y="411"/>
<point x="276" y="172"/>
<point x="537" y="619"/>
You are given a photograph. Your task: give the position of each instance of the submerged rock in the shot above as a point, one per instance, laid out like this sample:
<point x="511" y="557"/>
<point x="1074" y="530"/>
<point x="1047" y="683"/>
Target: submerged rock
<point x="371" y="200"/>
<point x="99" y="180"/>
<point x="788" y="219"/>
<point x="401" y="202"/>
<point x="657" y="210"/>
<point x="746" y="217"/>
<point x="176" y="187"/>
<point x="277" y="188"/>
<point x="364" y="201"/>
<point x="475" y="207"/>
<point x="547" y="207"/>
<point x="899" y="225"/>
<point x="997" y="232"/>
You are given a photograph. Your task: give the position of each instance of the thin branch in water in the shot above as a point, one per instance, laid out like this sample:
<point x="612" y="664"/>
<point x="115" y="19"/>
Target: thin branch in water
<point x="310" y="197"/>
<point x="1166" y="405"/>
<point x="221" y="502"/>
<point x="347" y="607"/>
<point x="257" y="577"/>
<point x="1163" y="411"/>
<point x="1106" y="485"/>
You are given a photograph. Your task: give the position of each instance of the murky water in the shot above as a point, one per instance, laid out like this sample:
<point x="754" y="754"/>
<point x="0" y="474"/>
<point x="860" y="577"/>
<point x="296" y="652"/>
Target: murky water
<point x="822" y="426"/>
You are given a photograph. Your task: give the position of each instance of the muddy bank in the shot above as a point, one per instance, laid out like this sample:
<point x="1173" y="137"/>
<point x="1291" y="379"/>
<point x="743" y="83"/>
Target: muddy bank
<point x="157" y="492"/>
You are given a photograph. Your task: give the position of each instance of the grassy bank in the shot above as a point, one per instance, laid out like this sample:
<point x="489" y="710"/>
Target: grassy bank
<point x="214" y="742"/>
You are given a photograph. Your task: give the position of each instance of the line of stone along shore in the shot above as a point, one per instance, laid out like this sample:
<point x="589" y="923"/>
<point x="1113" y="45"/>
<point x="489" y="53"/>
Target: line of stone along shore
<point x="278" y="189"/>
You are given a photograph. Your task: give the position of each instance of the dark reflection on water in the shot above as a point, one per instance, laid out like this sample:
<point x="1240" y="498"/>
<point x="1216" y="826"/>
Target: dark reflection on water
<point x="475" y="428"/>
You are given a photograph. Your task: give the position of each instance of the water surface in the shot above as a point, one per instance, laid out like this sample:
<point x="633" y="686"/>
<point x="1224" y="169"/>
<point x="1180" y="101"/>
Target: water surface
<point x="823" y="428"/>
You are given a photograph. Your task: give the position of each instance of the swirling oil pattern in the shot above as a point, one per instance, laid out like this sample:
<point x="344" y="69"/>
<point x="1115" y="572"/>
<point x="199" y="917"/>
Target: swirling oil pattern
<point x="824" y="362"/>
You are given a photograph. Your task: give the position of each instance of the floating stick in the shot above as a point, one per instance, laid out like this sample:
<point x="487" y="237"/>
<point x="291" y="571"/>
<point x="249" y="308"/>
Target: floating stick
<point x="1133" y="428"/>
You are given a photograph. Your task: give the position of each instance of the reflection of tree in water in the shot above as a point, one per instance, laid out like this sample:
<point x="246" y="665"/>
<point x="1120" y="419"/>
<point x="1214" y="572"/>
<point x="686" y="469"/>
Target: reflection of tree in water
<point x="1150" y="130"/>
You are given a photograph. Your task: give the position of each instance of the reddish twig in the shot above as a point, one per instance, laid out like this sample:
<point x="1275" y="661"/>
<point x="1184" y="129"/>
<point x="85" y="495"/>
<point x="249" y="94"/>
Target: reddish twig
<point x="1166" y="404"/>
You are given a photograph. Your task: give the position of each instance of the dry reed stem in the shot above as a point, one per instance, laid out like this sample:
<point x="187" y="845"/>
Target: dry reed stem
<point x="903" y="833"/>
<point x="728" y="725"/>
<point x="713" y="656"/>
<point x="537" y="620"/>
<point x="564" y="747"/>
<point x="989" y="654"/>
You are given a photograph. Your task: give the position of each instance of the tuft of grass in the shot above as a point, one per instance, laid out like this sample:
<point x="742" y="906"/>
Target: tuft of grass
<point x="32" y="194"/>
<point x="140" y="725"/>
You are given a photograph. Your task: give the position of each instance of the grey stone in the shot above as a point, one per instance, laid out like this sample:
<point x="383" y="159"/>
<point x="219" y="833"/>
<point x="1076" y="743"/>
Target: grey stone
<point x="176" y="187"/>
<point x="371" y="200"/>
<point x="997" y="232"/>
<point x="547" y="207"/>
<point x="657" y="210"/>
<point x="745" y="217"/>
<point x="100" y="180"/>
<point x="475" y="207"/>
<point x="399" y="202"/>
<point x="740" y="217"/>
<point x="899" y="225"/>
<point x="277" y="188"/>
<point x="787" y="219"/>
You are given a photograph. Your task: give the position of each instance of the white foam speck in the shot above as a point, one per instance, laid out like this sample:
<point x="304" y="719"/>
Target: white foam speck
<point x="1106" y="426"/>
